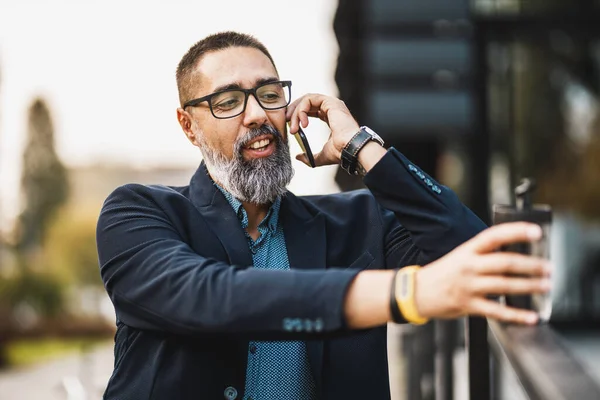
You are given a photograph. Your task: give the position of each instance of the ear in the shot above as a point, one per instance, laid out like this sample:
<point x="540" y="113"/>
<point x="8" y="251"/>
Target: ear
<point x="185" y="121"/>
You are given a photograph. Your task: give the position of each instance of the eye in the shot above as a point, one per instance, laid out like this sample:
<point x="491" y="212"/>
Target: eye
<point x="227" y="104"/>
<point x="270" y="97"/>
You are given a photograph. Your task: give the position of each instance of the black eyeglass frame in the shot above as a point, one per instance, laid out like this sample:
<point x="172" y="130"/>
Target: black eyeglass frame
<point x="247" y="92"/>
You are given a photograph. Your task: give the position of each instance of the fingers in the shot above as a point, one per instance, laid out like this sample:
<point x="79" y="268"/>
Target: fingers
<point x="504" y="234"/>
<point x="491" y="309"/>
<point x="299" y="111"/>
<point x="509" y="285"/>
<point x="512" y="263"/>
<point x="314" y="106"/>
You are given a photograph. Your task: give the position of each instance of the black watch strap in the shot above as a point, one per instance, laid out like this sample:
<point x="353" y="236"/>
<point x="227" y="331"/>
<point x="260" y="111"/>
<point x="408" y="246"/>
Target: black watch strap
<point x="349" y="157"/>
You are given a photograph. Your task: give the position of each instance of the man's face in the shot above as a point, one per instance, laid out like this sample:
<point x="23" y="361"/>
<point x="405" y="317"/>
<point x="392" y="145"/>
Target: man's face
<point x="243" y="66"/>
<point x="229" y="145"/>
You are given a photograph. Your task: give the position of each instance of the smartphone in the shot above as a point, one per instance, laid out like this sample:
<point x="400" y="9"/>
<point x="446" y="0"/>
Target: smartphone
<point x="303" y="142"/>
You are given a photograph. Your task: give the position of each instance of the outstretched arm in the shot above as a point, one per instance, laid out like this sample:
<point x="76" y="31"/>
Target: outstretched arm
<point x="458" y="284"/>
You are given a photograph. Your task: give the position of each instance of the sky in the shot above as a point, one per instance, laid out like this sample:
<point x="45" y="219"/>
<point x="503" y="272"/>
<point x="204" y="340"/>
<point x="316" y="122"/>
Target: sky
<point x="107" y="70"/>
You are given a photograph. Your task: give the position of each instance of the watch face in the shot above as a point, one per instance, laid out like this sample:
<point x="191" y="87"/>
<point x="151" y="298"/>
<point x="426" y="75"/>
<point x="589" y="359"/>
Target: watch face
<point x="369" y="130"/>
<point x="373" y="134"/>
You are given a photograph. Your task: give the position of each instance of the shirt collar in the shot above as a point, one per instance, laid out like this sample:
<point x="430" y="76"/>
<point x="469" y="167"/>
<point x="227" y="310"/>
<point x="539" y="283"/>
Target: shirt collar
<point x="270" y="220"/>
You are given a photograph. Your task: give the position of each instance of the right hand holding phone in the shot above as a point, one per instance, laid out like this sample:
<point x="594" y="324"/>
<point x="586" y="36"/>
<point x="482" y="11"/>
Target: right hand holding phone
<point x="334" y="113"/>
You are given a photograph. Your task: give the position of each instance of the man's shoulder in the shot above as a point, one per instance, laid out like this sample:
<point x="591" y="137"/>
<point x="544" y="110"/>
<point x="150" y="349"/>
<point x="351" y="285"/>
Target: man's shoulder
<point x="340" y="202"/>
<point x="154" y="193"/>
<point x="347" y="212"/>
<point x="350" y="195"/>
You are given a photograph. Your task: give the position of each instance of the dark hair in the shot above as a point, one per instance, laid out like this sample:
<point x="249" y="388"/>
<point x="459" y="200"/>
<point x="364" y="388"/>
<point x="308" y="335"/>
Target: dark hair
<point x="214" y="42"/>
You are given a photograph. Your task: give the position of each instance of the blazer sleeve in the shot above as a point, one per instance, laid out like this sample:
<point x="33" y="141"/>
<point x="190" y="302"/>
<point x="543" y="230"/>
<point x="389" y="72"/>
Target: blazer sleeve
<point x="424" y="220"/>
<point x="157" y="282"/>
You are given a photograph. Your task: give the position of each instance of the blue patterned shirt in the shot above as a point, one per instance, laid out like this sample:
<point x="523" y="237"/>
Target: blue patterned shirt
<point x="276" y="369"/>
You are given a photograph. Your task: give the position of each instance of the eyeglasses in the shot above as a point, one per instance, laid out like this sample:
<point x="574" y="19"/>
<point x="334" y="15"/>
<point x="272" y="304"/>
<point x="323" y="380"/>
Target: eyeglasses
<point x="232" y="102"/>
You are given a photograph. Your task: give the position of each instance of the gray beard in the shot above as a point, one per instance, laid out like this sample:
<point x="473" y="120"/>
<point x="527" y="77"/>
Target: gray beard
<point x="257" y="181"/>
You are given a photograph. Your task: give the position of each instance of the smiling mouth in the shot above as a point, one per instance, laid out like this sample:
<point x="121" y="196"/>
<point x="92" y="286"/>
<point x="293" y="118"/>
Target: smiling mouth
<point x="259" y="144"/>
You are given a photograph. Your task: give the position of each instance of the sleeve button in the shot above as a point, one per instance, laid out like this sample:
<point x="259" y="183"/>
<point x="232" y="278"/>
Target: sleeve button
<point x="230" y="393"/>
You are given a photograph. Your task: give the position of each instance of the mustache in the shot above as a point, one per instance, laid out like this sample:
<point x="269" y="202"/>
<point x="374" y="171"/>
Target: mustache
<point x="256" y="132"/>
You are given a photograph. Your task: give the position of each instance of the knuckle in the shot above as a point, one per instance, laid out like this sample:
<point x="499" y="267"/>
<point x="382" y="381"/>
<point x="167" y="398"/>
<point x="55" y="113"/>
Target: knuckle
<point x="542" y="285"/>
<point x="465" y="268"/>
<point x="542" y="267"/>
<point x="519" y="317"/>
<point x="506" y="314"/>
<point x="488" y="237"/>
<point x="483" y="235"/>
<point x="498" y="314"/>
<point x="470" y="266"/>
<point x="538" y="268"/>
<point x="467" y="264"/>
<point x="458" y="309"/>
<point x="516" y="315"/>
<point x="506" y="284"/>
<point x="490" y="311"/>
<point x="511" y="263"/>
<point x="531" y="285"/>
<point x="462" y="303"/>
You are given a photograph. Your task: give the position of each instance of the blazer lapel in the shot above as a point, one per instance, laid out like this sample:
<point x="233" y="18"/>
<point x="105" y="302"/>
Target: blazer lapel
<point x="304" y="237"/>
<point x="221" y="218"/>
<point x="305" y="240"/>
<point x="223" y="221"/>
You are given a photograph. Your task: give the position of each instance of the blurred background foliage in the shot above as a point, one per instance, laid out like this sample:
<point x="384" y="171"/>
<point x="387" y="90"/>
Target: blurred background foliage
<point x="70" y="247"/>
<point x="50" y="288"/>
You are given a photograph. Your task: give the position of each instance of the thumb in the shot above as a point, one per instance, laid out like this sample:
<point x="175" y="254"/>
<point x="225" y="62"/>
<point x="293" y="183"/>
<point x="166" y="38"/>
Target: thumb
<point x="327" y="155"/>
<point x="302" y="158"/>
<point x="321" y="158"/>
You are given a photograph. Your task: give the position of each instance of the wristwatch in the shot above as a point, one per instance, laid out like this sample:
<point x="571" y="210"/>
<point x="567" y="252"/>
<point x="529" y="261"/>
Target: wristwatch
<point x="349" y="159"/>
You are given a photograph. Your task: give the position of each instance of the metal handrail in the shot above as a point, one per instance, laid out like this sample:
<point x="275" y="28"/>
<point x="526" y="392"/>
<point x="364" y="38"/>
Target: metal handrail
<point x="545" y="368"/>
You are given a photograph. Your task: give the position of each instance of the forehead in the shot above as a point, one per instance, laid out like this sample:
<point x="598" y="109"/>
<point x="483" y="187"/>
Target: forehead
<point x="244" y="65"/>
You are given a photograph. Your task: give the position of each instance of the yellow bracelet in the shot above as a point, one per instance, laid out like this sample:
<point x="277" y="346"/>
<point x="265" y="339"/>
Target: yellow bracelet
<point x="405" y="295"/>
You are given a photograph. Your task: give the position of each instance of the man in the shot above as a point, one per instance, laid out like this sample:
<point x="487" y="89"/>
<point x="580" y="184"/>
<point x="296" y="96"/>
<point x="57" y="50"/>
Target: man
<point x="233" y="287"/>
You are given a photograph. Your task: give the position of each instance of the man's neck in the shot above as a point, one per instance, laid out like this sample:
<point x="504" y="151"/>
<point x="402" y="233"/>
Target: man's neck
<point x="256" y="213"/>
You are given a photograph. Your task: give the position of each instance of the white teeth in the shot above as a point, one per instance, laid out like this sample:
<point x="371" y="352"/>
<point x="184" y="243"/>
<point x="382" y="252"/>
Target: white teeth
<point x="259" y="143"/>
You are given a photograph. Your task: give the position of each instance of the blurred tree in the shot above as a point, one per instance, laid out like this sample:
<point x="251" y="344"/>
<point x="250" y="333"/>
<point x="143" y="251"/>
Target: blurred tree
<point x="3" y="307"/>
<point x="44" y="188"/>
<point x="40" y="292"/>
<point x="69" y="247"/>
<point x="44" y="181"/>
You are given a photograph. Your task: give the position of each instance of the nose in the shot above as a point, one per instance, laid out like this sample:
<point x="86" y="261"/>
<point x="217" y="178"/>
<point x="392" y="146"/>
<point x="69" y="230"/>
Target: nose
<point x="254" y="116"/>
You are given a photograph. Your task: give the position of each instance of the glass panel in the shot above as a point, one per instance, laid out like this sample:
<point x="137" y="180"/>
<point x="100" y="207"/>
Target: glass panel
<point x="534" y="7"/>
<point x="545" y="124"/>
<point x="392" y="57"/>
<point x="392" y="12"/>
<point x="411" y="112"/>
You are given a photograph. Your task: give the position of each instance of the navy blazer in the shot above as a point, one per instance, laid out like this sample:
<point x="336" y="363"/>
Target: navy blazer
<point x="176" y="265"/>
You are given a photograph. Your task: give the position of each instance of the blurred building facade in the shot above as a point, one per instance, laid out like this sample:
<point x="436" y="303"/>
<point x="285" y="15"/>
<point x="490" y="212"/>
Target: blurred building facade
<point x="482" y="93"/>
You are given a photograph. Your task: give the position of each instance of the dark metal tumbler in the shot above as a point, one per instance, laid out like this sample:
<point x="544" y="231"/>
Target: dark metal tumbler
<point x="541" y="215"/>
